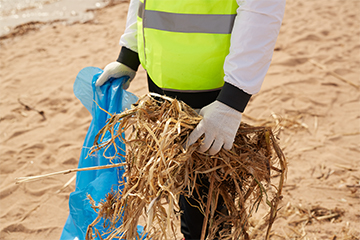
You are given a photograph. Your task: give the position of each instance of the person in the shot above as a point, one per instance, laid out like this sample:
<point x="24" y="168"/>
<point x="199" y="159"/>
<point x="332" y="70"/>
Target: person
<point x="211" y="54"/>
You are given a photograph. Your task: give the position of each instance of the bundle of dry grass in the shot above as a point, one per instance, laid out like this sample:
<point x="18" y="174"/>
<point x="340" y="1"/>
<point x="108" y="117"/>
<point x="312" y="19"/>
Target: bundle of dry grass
<point x="159" y="169"/>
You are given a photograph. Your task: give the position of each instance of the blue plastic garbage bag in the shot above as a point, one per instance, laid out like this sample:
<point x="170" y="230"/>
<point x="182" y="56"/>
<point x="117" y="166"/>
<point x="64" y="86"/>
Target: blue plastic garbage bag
<point x="112" y="98"/>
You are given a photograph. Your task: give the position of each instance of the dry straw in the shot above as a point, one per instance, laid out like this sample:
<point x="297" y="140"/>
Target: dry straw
<point x="159" y="169"/>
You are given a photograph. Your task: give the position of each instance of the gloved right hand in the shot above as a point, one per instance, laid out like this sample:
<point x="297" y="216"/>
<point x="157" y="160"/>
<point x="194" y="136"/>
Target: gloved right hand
<point x="116" y="70"/>
<point x="219" y="125"/>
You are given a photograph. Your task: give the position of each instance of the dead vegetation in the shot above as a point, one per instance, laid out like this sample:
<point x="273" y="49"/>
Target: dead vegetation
<point x="159" y="169"/>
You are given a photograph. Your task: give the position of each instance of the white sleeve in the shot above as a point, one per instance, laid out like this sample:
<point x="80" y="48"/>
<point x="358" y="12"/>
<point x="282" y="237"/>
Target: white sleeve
<point x="253" y="38"/>
<point x="129" y="38"/>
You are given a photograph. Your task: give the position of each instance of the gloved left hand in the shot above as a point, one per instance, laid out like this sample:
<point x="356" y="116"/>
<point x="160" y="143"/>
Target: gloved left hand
<point x="219" y="124"/>
<point x="116" y="70"/>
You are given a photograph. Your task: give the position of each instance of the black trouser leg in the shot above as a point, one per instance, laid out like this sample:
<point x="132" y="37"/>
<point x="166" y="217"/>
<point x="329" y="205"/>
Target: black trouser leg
<point x="192" y="218"/>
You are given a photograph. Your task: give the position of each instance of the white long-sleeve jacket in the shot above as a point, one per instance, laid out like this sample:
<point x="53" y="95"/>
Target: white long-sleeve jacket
<point x="253" y="38"/>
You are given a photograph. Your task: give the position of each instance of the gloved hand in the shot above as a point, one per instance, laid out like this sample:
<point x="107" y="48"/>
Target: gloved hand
<point x="219" y="124"/>
<point x="116" y="70"/>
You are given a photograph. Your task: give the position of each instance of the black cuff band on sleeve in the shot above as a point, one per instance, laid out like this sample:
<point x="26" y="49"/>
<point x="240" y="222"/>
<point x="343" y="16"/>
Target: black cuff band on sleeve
<point x="129" y="58"/>
<point x="233" y="97"/>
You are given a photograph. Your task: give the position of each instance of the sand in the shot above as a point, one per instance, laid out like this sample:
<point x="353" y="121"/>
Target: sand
<point x="320" y="109"/>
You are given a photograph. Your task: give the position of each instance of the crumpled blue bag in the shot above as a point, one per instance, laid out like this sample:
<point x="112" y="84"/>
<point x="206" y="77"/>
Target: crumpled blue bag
<point x="112" y="98"/>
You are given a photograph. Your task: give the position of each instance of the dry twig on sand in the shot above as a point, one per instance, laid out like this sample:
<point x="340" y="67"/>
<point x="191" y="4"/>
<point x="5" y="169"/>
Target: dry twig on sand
<point x="299" y="216"/>
<point x="159" y="169"/>
<point x="27" y="107"/>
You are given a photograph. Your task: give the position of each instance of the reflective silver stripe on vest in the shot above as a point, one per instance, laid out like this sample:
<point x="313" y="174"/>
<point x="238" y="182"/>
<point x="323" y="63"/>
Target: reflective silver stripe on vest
<point x="187" y="23"/>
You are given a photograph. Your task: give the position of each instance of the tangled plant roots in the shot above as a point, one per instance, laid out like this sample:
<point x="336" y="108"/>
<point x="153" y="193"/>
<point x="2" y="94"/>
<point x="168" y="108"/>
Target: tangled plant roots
<point x="159" y="170"/>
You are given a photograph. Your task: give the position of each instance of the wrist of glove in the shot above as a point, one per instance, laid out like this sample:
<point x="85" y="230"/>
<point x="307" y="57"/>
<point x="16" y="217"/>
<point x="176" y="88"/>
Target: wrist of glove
<point x="219" y="125"/>
<point x="116" y="70"/>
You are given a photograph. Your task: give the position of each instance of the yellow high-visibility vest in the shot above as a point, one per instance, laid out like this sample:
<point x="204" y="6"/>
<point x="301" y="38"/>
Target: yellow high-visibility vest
<point x="182" y="44"/>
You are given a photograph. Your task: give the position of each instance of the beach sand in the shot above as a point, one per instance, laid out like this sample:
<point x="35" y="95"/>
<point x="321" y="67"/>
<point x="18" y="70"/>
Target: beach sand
<point x="319" y="106"/>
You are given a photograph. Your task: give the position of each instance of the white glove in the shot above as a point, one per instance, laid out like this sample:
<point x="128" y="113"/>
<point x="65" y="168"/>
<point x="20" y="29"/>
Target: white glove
<point x="219" y="124"/>
<point x="116" y="70"/>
